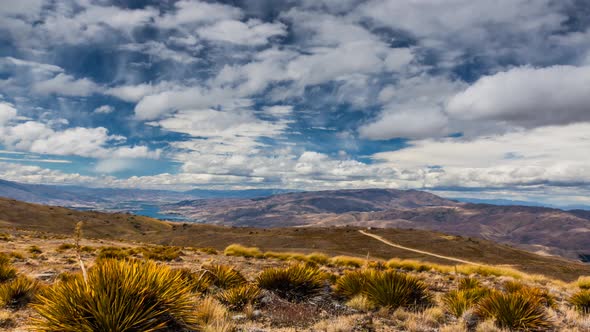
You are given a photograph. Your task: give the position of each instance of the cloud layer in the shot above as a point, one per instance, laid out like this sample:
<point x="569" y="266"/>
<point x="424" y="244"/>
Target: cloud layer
<point x="299" y="94"/>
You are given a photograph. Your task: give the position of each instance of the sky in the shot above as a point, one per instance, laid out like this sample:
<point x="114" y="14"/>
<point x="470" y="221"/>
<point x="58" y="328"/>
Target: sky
<point x="467" y="98"/>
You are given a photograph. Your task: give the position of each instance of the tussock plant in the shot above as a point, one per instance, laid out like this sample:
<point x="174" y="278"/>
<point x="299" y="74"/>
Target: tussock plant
<point x="210" y="312"/>
<point x="394" y="290"/>
<point x="318" y="258"/>
<point x="294" y="283"/>
<point x="515" y="311"/>
<point x="238" y="297"/>
<point x="118" y="295"/>
<point x="163" y="253"/>
<point x="64" y="247"/>
<point x="360" y="302"/>
<point x="353" y="282"/>
<point x="223" y="276"/>
<point x="581" y="301"/>
<point x="468" y="283"/>
<point x="18" y="292"/>
<point x="347" y="261"/>
<point x="583" y="282"/>
<point x="114" y="252"/>
<point x="241" y="251"/>
<point x="7" y="272"/>
<point x="457" y="302"/>
<point x="533" y="292"/>
<point x="198" y="282"/>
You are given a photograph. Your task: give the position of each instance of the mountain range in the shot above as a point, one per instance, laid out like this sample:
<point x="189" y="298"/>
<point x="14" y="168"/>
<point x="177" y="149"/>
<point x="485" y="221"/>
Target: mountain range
<point x="544" y="230"/>
<point x="539" y="229"/>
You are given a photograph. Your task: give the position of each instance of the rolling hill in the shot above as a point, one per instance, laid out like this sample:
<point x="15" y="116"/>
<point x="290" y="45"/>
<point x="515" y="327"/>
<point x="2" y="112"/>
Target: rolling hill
<point x="540" y="229"/>
<point x="48" y="220"/>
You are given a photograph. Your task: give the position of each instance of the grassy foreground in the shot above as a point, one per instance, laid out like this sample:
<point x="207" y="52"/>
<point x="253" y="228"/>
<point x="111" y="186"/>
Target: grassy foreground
<point x="130" y="286"/>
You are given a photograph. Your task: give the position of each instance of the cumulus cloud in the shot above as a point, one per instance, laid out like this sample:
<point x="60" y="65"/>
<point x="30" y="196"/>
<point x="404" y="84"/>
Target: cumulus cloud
<point x="252" y="32"/>
<point x="104" y="109"/>
<point x="7" y="113"/>
<point x="525" y="157"/>
<point x="527" y="96"/>
<point x="410" y="123"/>
<point x="66" y="85"/>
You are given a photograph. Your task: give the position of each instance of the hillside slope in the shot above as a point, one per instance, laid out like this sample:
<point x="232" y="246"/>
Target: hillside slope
<point x="332" y="240"/>
<point x="540" y="229"/>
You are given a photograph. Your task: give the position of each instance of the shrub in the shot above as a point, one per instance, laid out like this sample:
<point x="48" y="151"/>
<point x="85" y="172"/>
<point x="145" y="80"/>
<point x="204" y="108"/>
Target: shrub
<point x="348" y="261"/>
<point x="119" y="295"/>
<point x="198" y="282"/>
<point x="35" y="250"/>
<point x="515" y="311"/>
<point x="393" y="290"/>
<point x="5" y="237"/>
<point x="457" y="302"/>
<point x="354" y="282"/>
<point x="239" y="250"/>
<point x="7" y="272"/>
<point x="293" y="283"/>
<point x="163" y="253"/>
<point x="238" y="297"/>
<point x="223" y="276"/>
<point x="583" y="282"/>
<point x="581" y="301"/>
<point x="18" y="292"/>
<point x="16" y="255"/>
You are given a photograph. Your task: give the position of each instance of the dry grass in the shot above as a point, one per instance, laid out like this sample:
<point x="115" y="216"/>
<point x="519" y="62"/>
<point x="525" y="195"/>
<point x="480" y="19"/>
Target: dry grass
<point x="583" y="282"/>
<point x="242" y="251"/>
<point x="347" y="261"/>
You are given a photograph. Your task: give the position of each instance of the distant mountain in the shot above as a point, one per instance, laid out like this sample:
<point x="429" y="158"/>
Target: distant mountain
<point x="540" y="229"/>
<point x="115" y="198"/>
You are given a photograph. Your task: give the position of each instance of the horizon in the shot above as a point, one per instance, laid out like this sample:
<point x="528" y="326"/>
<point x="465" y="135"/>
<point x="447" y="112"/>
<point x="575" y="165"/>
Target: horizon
<point x="462" y="99"/>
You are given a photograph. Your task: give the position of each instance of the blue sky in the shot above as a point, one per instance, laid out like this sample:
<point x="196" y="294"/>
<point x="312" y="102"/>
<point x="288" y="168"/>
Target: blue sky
<point x="486" y="99"/>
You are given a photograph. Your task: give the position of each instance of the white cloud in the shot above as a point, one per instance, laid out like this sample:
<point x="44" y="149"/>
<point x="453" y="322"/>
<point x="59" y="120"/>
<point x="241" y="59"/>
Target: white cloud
<point x="406" y="123"/>
<point x="66" y="85"/>
<point x="527" y="96"/>
<point x="104" y="109"/>
<point x="189" y="12"/>
<point x="7" y="113"/>
<point x="252" y="32"/>
<point x="525" y="157"/>
<point x="41" y="68"/>
<point x="134" y="93"/>
<point x="116" y="165"/>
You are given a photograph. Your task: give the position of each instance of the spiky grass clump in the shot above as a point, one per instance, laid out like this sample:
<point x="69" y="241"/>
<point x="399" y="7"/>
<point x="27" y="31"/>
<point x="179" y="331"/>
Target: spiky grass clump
<point x="7" y="271"/>
<point x="238" y="297"/>
<point x="581" y="301"/>
<point x="198" y="282"/>
<point x="318" y="258"/>
<point x="468" y="283"/>
<point x="211" y="315"/>
<point x="18" y="292"/>
<point x="361" y="303"/>
<point x="533" y="292"/>
<point x="241" y="251"/>
<point x="394" y="290"/>
<point x="223" y="276"/>
<point x="583" y="282"/>
<point x="457" y="302"/>
<point x="353" y="282"/>
<point x="293" y="283"/>
<point x="515" y="311"/>
<point x="114" y="253"/>
<point x="347" y="261"/>
<point x="163" y="253"/>
<point x="118" y="295"/>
